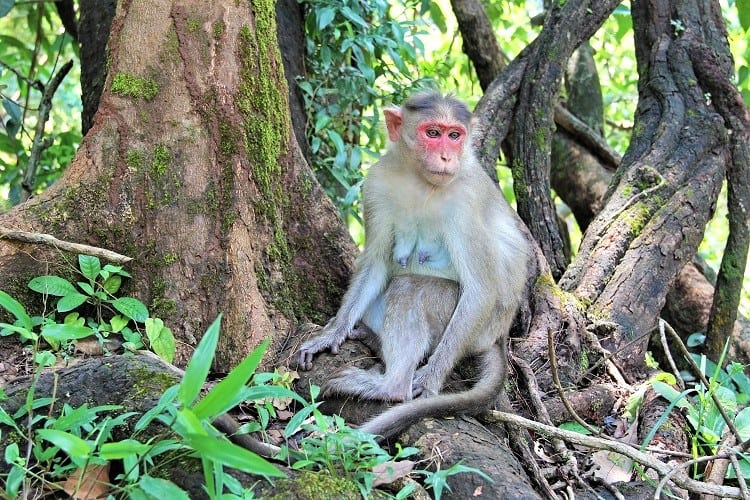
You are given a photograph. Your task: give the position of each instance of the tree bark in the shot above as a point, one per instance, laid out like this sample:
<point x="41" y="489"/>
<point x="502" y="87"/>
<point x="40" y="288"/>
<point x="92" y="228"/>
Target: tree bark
<point x="662" y="195"/>
<point x="191" y="168"/>
<point x="532" y="126"/>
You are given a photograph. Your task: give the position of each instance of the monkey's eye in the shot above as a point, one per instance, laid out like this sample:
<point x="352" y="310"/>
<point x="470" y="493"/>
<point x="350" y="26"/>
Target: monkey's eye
<point x="432" y="132"/>
<point x="455" y="135"/>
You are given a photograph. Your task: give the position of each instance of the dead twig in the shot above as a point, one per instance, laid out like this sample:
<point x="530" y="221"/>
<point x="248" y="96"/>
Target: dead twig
<point x="678" y="477"/>
<point x="49" y="240"/>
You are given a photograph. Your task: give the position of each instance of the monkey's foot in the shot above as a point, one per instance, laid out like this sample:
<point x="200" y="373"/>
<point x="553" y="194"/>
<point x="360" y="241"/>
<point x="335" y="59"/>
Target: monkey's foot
<point x="365" y="384"/>
<point x="424" y="385"/>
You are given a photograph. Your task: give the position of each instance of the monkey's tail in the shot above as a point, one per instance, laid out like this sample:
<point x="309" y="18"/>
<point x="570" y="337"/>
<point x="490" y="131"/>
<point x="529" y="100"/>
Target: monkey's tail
<point x="470" y="402"/>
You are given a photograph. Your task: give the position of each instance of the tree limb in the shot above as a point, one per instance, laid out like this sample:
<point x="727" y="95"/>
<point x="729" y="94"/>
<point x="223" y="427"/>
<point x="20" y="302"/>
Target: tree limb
<point x="49" y="240"/>
<point x="40" y="142"/>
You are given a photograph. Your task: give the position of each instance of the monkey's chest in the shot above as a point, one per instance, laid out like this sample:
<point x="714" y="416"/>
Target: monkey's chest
<point x="419" y="250"/>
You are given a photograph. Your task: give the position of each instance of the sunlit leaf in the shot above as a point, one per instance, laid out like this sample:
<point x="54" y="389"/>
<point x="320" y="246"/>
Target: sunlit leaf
<point x="52" y="285"/>
<point x="162" y="488"/>
<point x="90" y="266"/>
<point x="70" y="302"/>
<point x="77" y="449"/>
<point x="132" y="308"/>
<point x="60" y="332"/>
<point x="231" y="455"/>
<point x="199" y="365"/>
<point x="161" y="339"/>
<point x="229" y="392"/>
<point x="16" y="309"/>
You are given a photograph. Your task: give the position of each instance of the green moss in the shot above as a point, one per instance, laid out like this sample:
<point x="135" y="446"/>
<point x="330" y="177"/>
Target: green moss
<point x="127" y="85"/>
<point x="229" y="138"/>
<point x="261" y="100"/>
<point x="316" y="485"/>
<point x="193" y="25"/>
<point x="171" y="49"/>
<point x="170" y="258"/>
<point x="161" y="306"/>
<point x="160" y="161"/>
<point x="636" y="217"/>
<point x="135" y="159"/>
<point x="218" y="29"/>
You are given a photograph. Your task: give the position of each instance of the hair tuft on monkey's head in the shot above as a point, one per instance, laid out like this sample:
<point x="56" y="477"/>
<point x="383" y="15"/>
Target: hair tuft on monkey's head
<point x="432" y="101"/>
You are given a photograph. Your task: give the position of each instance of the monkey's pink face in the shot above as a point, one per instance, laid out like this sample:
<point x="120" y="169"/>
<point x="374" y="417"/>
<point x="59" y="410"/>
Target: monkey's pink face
<point x="440" y="144"/>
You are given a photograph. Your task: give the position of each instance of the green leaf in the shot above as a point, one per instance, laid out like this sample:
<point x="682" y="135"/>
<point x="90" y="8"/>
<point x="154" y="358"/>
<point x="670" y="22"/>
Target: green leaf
<point x="231" y="455"/>
<point x="161" y="339"/>
<point x="574" y="427"/>
<point x="86" y="287"/>
<point x="90" y="266"/>
<point x="296" y="421"/>
<point x="25" y="333"/>
<point x="743" y="9"/>
<point x="77" y="449"/>
<point x="325" y="16"/>
<point x="229" y="392"/>
<point x="10" y="106"/>
<point x="671" y="394"/>
<point x="16" y="309"/>
<point x="161" y="488"/>
<point x="11" y="453"/>
<point x="121" y="449"/>
<point x="14" y="480"/>
<point x="118" y="323"/>
<point x="6" y="419"/>
<point x="199" y="365"/>
<point x="70" y="302"/>
<point x="57" y="332"/>
<point x="132" y="308"/>
<point x="112" y="284"/>
<point x="52" y="285"/>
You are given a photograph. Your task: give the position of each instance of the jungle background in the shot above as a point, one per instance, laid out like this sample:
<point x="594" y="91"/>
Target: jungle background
<point x="205" y="146"/>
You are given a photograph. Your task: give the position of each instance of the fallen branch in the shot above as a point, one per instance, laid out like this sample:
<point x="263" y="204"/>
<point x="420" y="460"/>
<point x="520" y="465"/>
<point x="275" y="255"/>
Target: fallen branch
<point x="679" y="478"/>
<point x="48" y="239"/>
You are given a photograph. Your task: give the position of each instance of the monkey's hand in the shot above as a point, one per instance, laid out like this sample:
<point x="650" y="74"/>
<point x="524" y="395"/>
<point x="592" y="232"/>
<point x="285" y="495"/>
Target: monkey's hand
<point x="331" y="338"/>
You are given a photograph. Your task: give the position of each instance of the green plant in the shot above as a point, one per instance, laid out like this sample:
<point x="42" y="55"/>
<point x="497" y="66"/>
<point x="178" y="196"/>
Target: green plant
<point x="78" y="440"/>
<point x="333" y="446"/>
<point x="356" y="53"/>
<point x="32" y="49"/>
<point x="730" y="387"/>
<point x="112" y="314"/>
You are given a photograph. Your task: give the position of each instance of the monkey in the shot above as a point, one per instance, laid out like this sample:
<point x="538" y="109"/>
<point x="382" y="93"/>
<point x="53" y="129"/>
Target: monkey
<point x="417" y="309"/>
<point x="431" y="216"/>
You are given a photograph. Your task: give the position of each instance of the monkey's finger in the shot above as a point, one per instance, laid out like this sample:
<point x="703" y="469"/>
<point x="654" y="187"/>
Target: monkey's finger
<point x="305" y="360"/>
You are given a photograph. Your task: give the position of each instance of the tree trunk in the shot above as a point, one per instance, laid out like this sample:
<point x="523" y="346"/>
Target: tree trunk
<point x="191" y="168"/>
<point x="664" y="192"/>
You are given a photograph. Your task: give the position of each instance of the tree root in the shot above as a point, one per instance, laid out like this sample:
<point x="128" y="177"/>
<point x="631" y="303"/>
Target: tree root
<point x="677" y="476"/>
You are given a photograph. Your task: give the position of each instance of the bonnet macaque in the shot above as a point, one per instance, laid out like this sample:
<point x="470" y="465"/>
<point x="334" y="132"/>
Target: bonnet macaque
<point x="441" y="274"/>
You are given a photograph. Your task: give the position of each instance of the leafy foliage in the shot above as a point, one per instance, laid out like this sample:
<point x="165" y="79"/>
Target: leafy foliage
<point x="79" y="440"/>
<point x="731" y="388"/>
<point x="32" y="48"/>
<point x="356" y="53"/>
<point x="112" y="314"/>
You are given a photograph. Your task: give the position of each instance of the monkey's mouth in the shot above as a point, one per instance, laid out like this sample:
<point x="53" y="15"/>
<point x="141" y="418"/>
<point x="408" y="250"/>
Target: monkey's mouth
<point x="440" y="173"/>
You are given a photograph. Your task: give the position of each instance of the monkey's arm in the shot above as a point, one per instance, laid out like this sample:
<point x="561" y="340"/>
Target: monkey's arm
<point x="372" y="273"/>
<point x="367" y="284"/>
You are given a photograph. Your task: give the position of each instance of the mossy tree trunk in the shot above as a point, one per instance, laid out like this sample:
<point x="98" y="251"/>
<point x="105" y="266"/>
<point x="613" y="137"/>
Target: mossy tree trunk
<point x="652" y="218"/>
<point x="191" y="168"/>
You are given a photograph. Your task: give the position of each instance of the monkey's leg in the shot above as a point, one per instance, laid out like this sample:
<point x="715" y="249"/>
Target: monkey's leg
<point x="403" y="326"/>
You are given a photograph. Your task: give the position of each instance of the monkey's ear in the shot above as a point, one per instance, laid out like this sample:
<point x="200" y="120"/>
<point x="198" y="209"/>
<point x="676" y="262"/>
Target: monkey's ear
<point x="393" y="121"/>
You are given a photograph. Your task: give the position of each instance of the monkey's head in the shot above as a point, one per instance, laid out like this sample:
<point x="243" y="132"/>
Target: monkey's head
<point x="433" y="130"/>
